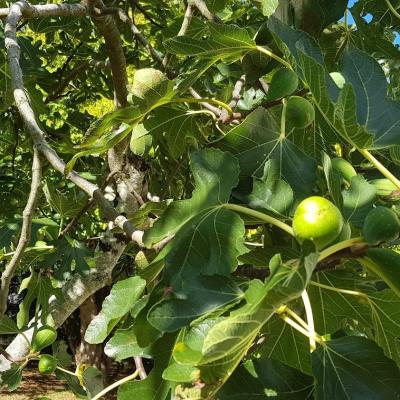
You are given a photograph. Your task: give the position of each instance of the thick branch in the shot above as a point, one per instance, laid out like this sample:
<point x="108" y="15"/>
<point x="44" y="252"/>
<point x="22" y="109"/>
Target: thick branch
<point x="108" y="29"/>
<point x="25" y="232"/>
<point x="50" y="10"/>
<point x="202" y="7"/>
<point x="136" y="33"/>
<point x="75" y="292"/>
<point x="27" y="114"/>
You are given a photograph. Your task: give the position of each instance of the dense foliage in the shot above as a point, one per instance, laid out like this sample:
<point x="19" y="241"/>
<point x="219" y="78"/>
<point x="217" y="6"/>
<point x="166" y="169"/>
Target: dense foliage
<point x="235" y="112"/>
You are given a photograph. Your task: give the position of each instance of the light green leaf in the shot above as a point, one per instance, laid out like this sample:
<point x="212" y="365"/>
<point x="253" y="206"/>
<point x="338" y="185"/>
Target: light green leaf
<point x="181" y="373"/>
<point x="124" y="345"/>
<point x="154" y="387"/>
<point x="121" y="299"/>
<point x="354" y="368"/>
<point x="208" y="168"/>
<point x="93" y="381"/>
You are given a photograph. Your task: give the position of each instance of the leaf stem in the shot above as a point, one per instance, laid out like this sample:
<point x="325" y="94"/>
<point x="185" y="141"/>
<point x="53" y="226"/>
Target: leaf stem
<point x="334" y="289"/>
<point x="274" y="56"/>
<point x="299" y="328"/>
<point x="263" y="217"/>
<point x="66" y="371"/>
<point x="339" y="246"/>
<point x="283" y="120"/>
<point x="115" y="385"/>
<point x="310" y="319"/>
<point x="296" y="317"/>
<point x="392" y="9"/>
<point x="380" y="167"/>
<point x="204" y="100"/>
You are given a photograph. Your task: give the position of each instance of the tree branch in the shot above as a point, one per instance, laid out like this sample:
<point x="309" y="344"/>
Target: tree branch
<point x="108" y="29"/>
<point x="136" y="33"/>
<point x="13" y="53"/>
<point x="75" y="292"/>
<point x="203" y="9"/>
<point x="225" y="117"/>
<point x="50" y="10"/>
<point x="24" y="238"/>
<point x="134" y="4"/>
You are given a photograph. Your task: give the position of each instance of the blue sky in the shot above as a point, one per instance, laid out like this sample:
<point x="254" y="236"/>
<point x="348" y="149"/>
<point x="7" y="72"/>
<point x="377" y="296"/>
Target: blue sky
<point x="367" y="18"/>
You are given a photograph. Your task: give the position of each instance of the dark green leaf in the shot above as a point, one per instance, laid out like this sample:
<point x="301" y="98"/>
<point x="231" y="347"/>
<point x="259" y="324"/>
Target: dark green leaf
<point x="354" y="368"/>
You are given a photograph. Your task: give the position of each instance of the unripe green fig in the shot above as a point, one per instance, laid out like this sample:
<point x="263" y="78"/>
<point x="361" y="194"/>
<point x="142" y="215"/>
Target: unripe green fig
<point x="344" y="168"/>
<point x="284" y="82"/>
<point x="318" y="220"/>
<point x="300" y="112"/>
<point x="47" y="364"/>
<point x="381" y="225"/>
<point x="45" y="336"/>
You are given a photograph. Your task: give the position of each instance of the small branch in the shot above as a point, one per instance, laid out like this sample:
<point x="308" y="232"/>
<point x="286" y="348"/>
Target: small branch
<point x="134" y="4"/>
<point x="24" y="238"/>
<point x="186" y="20"/>
<point x="339" y="247"/>
<point x="274" y="56"/>
<point x="136" y="33"/>
<point x="213" y="109"/>
<point x="203" y="9"/>
<point x="115" y="385"/>
<point x="225" y="117"/>
<point x="6" y="355"/>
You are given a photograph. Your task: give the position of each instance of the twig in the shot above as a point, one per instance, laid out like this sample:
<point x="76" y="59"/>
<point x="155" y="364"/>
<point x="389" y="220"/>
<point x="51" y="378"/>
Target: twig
<point x="115" y="385"/>
<point x="208" y="106"/>
<point x="134" y="4"/>
<point x="202" y="7"/>
<point x="182" y="31"/>
<point x="24" y="238"/>
<point x="225" y="117"/>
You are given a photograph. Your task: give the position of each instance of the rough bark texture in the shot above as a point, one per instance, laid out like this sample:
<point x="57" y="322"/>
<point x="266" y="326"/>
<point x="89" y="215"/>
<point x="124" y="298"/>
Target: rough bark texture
<point x="75" y="292"/>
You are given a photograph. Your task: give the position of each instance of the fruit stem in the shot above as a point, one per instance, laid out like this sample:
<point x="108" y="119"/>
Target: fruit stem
<point x="310" y="319"/>
<point x="204" y="100"/>
<point x="263" y="217"/>
<point x="380" y="167"/>
<point x="274" y="56"/>
<point x="115" y="385"/>
<point x="339" y="246"/>
<point x="283" y="120"/>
